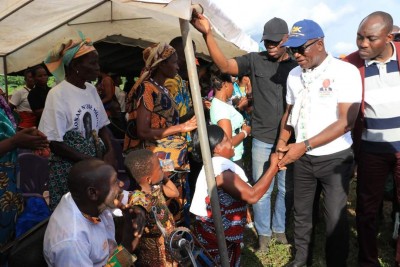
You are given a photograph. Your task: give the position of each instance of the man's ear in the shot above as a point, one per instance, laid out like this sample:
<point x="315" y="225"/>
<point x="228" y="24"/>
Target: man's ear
<point x="390" y="37"/>
<point x="92" y="193"/>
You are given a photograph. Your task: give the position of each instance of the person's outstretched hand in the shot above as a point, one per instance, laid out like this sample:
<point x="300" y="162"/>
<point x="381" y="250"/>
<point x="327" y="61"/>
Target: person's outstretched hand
<point x="190" y="125"/>
<point x="200" y="23"/>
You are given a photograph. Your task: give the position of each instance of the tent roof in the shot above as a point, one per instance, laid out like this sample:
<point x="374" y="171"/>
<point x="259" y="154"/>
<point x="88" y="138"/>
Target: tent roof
<point x="30" y="28"/>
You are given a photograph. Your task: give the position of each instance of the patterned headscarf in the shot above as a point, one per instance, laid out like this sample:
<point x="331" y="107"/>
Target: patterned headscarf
<point x="152" y="56"/>
<point x="4" y="106"/>
<point x="63" y="54"/>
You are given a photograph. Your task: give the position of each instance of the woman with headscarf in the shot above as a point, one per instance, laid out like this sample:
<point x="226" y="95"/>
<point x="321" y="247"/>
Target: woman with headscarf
<point x="153" y="121"/>
<point x="11" y="202"/>
<point x="74" y="118"/>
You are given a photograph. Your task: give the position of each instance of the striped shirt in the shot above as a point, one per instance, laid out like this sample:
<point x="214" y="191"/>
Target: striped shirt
<point x="382" y="102"/>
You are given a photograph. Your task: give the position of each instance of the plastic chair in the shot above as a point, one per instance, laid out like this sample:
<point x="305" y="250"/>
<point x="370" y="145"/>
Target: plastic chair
<point x="27" y="250"/>
<point x="34" y="174"/>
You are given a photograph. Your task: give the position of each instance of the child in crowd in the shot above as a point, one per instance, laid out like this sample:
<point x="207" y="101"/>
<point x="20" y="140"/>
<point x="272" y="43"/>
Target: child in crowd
<point x="144" y="167"/>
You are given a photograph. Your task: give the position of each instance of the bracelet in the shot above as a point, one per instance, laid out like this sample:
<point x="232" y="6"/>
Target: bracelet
<point x="308" y="146"/>
<point x="245" y="133"/>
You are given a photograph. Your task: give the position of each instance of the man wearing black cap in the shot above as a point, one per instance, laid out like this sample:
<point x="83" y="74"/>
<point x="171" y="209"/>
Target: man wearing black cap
<point x="323" y="98"/>
<point x="268" y="72"/>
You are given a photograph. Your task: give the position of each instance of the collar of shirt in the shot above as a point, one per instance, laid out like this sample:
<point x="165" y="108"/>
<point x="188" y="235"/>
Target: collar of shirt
<point x="94" y="220"/>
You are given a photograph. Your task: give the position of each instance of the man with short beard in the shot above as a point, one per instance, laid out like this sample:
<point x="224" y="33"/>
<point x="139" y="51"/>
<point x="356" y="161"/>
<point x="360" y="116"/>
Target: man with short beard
<point x="377" y="131"/>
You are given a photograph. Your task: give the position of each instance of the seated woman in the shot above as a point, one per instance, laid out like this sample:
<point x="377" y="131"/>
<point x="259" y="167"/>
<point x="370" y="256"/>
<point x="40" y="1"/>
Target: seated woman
<point x="74" y="118"/>
<point x="11" y="201"/>
<point x="144" y="167"/>
<point x="225" y="115"/>
<point x="233" y="191"/>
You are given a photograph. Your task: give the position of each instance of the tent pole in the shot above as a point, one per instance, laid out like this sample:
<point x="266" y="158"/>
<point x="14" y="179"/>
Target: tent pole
<point x="205" y="148"/>
<point x="5" y="76"/>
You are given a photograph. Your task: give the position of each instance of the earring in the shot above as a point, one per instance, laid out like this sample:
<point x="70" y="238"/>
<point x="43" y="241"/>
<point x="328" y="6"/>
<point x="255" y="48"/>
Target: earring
<point x="77" y="72"/>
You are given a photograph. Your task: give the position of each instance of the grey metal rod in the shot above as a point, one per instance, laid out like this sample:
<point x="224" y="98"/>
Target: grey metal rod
<point x="5" y="76"/>
<point x="203" y="136"/>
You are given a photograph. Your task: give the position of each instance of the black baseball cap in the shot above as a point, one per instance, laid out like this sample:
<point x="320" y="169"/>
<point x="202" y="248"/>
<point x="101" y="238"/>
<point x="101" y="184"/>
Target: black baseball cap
<point x="275" y="29"/>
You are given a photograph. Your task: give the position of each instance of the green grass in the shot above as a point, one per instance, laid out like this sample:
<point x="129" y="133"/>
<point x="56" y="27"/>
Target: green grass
<point x="280" y="255"/>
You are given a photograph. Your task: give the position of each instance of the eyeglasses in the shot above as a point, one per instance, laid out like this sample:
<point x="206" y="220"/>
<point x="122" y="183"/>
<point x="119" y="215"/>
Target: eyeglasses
<point x="271" y="43"/>
<point x="301" y="49"/>
<point x="396" y="37"/>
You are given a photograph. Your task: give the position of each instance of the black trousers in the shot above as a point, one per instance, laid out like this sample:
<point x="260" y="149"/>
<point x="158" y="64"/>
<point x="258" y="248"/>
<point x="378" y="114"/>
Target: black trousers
<point x="372" y="172"/>
<point x="333" y="172"/>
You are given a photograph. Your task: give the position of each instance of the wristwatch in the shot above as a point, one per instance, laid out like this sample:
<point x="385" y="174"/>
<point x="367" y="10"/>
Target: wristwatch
<point x="308" y="147"/>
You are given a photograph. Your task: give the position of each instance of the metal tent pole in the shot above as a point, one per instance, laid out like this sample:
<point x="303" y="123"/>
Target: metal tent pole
<point x="5" y="76"/>
<point x="205" y="148"/>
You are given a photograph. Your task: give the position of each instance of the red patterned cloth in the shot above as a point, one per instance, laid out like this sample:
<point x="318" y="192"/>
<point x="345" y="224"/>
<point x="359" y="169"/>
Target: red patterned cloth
<point x="233" y="213"/>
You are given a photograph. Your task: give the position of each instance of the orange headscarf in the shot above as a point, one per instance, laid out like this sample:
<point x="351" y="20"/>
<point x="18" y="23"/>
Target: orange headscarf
<point x="63" y="54"/>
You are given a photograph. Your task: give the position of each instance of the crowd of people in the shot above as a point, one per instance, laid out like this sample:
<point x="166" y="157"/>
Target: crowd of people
<point x="310" y="119"/>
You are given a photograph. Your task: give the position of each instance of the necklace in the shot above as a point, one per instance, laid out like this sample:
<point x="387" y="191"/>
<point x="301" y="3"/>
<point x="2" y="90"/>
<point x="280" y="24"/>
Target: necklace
<point x="165" y="90"/>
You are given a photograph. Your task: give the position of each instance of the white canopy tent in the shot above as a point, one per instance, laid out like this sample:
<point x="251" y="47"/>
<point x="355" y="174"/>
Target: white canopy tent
<point x="29" y="28"/>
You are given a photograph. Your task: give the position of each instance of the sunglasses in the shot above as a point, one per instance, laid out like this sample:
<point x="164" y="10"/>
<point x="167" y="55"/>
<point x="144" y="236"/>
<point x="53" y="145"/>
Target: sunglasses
<point x="268" y="43"/>
<point x="301" y="49"/>
<point x="396" y="37"/>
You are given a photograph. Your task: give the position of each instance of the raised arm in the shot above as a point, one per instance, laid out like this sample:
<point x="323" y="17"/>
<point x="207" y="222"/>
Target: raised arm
<point x="202" y="24"/>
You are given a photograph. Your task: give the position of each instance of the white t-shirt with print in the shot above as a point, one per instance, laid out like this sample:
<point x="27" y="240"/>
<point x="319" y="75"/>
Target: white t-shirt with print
<point x="339" y="83"/>
<point x="71" y="108"/>
<point x="72" y="240"/>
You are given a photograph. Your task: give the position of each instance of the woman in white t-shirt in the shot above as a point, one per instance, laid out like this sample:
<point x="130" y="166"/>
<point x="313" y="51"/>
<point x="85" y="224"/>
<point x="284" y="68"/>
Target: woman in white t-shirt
<point x="225" y="115"/>
<point x="74" y="118"/>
